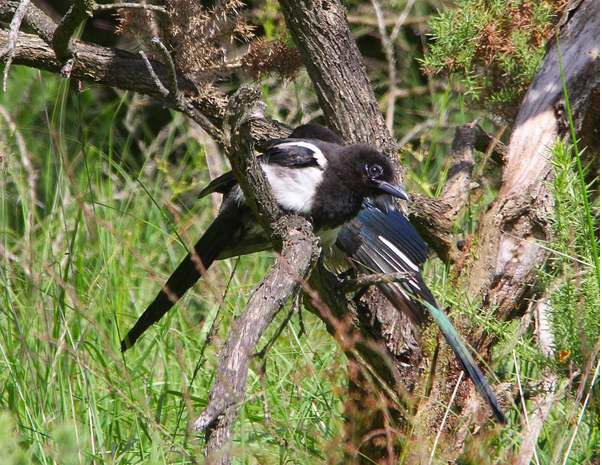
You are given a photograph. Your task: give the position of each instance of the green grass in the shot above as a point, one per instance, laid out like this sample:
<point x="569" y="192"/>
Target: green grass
<point x="78" y="268"/>
<point x="91" y="231"/>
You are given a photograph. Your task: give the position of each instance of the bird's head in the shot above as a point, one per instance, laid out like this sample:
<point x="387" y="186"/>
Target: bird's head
<point x="374" y="172"/>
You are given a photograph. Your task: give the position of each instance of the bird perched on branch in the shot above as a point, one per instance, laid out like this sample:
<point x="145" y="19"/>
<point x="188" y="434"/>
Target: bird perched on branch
<point x="324" y="182"/>
<point x="348" y="194"/>
<point x="380" y="239"/>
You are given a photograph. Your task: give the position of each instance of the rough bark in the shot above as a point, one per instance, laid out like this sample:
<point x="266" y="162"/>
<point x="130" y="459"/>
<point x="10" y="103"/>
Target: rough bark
<point x="335" y="66"/>
<point x="124" y="70"/>
<point x="293" y="236"/>
<point x="504" y="257"/>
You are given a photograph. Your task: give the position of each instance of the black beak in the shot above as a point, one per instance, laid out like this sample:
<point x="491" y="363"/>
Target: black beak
<point x="393" y="189"/>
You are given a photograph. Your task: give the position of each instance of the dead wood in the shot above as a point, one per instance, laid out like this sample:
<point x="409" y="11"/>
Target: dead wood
<point x="293" y="237"/>
<point x="501" y="269"/>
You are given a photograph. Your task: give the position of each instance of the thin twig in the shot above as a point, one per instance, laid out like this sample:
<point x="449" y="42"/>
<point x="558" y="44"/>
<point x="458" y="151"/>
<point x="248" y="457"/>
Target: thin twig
<point x="401" y="21"/>
<point x="171" y="71"/>
<point x="117" y="6"/>
<point x="61" y="40"/>
<point x="263" y="352"/>
<point x="296" y="307"/>
<point x="9" y="49"/>
<point x="267" y="417"/>
<point x="35" y="18"/>
<point x="153" y="75"/>
<point x="174" y="94"/>
<point x="392" y="71"/>
<point x="366" y="280"/>
<point x="388" y="43"/>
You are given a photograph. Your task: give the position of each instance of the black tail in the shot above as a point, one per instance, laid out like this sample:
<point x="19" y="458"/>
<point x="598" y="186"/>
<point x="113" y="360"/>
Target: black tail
<point x="386" y="243"/>
<point x="206" y="250"/>
<point x="465" y="358"/>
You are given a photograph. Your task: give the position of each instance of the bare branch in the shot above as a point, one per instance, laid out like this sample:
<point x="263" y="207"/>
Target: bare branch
<point x="388" y="43"/>
<point x="299" y="253"/>
<point x="7" y="52"/>
<point x="520" y="213"/>
<point x="504" y="256"/>
<point x="117" y="6"/>
<point x="434" y="218"/>
<point x="61" y="40"/>
<point x="171" y="72"/>
<point x="128" y="71"/>
<point x="34" y="18"/>
<point x="367" y="280"/>
<point x="153" y="75"/>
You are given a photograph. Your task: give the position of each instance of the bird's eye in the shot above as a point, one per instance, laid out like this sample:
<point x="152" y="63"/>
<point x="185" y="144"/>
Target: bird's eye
<point x="374" y="171"/>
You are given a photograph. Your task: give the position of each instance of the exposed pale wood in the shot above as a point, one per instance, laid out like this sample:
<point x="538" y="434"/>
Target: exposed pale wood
<point x="506" y="255"/>
<point x="501" y="269"/>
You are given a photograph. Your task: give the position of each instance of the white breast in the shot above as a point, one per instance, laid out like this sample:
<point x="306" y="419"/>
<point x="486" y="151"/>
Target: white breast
<point x="294" y="189"/>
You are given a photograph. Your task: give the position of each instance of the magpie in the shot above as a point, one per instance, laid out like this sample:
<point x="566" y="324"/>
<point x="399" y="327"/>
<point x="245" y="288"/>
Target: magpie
<point x="323" y="181"/>
<point x="380" y="239"/>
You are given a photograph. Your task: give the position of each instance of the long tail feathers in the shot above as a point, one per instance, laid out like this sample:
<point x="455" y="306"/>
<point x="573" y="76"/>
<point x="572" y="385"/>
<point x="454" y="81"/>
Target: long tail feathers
<point x="187" y="273"/>
<point x="206" y="251"/>
<point x="465" y="358"/>
<point x="387" y="242"/>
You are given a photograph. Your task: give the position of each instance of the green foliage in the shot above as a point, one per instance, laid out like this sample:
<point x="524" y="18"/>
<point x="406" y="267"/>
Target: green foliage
<point x="88" y="233"/>
<point x="493" y="47"/>
<point x="572" y="273"/>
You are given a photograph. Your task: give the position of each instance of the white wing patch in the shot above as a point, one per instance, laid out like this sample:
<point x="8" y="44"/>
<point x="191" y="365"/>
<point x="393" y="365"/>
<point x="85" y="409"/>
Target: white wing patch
<point x="400" y="254"/>
<point x="294" y="188"/>
<point x="318" y="155"/>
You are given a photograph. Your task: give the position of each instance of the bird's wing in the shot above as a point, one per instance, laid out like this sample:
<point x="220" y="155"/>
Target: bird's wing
<point x="386" y="243"/>
<point x="293" y="153"/>
<point x="287" y="153"/>
<point x="380" y="242"/>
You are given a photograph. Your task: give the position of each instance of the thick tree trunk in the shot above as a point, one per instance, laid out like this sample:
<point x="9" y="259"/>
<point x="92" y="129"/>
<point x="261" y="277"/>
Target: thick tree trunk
<point x="505" y="254"/>
<point x="503" y="257"/>
<point x="335" y="66"/>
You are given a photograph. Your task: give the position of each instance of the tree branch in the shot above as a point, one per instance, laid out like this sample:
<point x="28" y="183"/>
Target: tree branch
<point x="35" y="18"/>
<point x="124" y="70"/>
<point x="291" y="234"/>
<point x="437" y="215"/>
<point x="505" y="255"/>
<point x="61" y="40"/>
